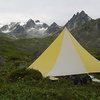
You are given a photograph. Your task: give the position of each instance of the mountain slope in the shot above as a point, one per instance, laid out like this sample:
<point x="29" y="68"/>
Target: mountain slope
<point x="21" y="52"/>
<point x="89" y="34"/>
<point x="78" y="20"/>
<point x="54" y="29"/>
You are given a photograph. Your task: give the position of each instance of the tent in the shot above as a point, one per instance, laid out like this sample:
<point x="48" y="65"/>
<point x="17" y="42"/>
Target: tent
<point x="65" y="56"/>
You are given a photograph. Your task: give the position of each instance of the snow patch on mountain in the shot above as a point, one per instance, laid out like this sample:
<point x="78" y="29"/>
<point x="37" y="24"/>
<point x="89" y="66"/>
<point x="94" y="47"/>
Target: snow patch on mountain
<point x="29" y="28"/>
<point x="6" y="31"/>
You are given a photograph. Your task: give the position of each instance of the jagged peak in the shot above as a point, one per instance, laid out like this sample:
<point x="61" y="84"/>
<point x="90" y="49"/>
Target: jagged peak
<point x="82" y="12"/>
<point x="37" y="21"/>
<point x="78" y="19"/>
<point x="30" y="20"/>
<point x="54" y="24"/>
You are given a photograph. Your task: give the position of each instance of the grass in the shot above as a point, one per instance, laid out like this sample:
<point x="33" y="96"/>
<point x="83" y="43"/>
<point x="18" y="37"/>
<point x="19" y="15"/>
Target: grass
<point x="47" y="90"/>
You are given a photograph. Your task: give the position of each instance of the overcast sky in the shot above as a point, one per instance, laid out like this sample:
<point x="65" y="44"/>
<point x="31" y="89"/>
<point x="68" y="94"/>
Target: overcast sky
<point x="47" y="11"/>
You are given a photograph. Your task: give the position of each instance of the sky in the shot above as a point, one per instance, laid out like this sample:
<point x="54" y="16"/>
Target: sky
<point x="59" y="11"/>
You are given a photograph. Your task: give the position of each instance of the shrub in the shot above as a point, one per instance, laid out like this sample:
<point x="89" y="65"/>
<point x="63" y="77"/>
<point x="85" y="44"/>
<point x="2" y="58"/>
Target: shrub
<point x="25" y="74"/>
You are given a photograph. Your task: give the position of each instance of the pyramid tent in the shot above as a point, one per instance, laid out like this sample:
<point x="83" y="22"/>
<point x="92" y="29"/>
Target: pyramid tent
<point x="65" y="56"/>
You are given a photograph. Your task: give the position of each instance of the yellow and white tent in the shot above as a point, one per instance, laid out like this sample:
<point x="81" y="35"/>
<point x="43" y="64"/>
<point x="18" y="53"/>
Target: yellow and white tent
<point x="65" y="56"/>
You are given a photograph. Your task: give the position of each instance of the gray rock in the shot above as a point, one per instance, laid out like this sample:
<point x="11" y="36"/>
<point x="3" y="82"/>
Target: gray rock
<point x="30" y="24"/>
<point x="2" y="60"/>
<point x="54" y="29"/>
<point x="78" y="20"/>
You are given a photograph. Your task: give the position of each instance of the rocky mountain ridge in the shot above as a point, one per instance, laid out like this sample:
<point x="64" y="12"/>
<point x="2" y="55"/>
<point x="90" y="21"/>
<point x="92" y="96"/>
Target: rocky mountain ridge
<point x="78" y="20"/>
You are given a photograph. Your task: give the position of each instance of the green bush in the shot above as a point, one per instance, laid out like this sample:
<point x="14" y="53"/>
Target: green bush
<point x="25" y="75"/>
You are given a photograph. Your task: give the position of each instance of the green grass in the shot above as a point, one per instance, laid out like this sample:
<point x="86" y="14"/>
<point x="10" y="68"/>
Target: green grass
<point x="47" y="90"/>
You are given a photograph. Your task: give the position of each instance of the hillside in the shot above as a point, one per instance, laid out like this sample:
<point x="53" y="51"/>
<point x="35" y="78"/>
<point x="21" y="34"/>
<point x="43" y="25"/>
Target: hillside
<point x="89" y="34"/>
<point x="20" y="53"/>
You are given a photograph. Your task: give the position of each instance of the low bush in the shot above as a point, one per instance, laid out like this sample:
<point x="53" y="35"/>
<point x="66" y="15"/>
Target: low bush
<point x="25" y="75"/>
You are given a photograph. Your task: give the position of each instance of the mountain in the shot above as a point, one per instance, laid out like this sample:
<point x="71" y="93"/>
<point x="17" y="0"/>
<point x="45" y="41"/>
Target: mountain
<point x="4" y="28"/>
<point x="29" y="24"/>
<point x="8" y="28"/>
<point x="78" y="20"/>
<point x="29" y="29"/>
<point x="54" y="29"/>
<point x="85" y="29"/>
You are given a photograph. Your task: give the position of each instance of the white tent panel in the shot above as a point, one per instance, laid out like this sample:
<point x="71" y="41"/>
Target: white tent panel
<point x="68" y="61"/>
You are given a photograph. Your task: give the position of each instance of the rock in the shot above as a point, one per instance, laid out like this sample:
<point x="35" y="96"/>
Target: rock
<point x="78" y="20"/>
<point x="2" y="60"/>
<point x="54" y="28"/>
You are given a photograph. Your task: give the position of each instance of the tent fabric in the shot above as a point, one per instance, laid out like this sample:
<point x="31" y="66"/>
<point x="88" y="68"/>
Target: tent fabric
<point x="65" y="56"/>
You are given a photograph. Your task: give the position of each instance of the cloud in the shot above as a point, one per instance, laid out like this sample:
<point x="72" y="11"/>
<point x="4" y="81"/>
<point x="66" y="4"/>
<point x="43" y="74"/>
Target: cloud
<point x="46" y="10"/>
